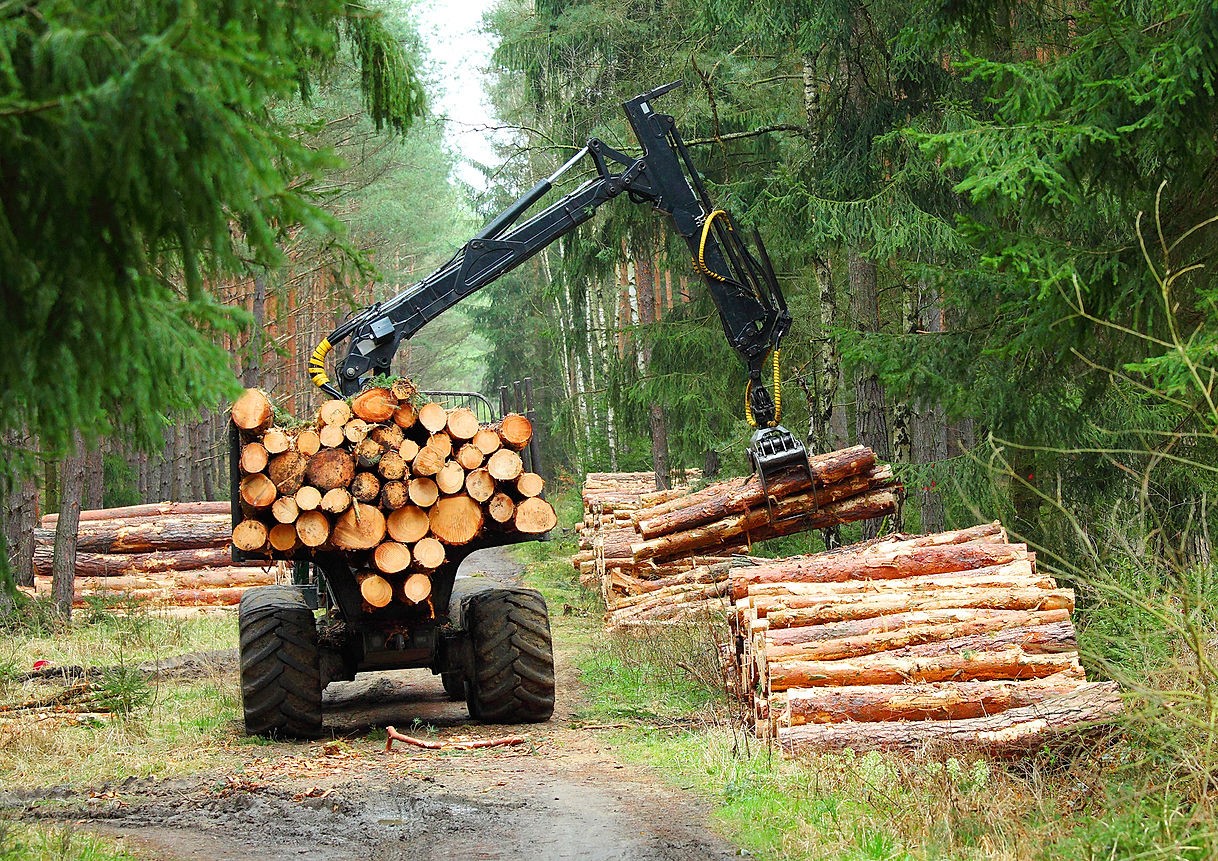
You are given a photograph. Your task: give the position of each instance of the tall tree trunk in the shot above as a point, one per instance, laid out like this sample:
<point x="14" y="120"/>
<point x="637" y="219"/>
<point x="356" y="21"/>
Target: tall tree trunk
<point x="602" y="339"/>
<point x="871" y="423"/>
<point x="646" y="276"/>
<point x="72" y="487"/>
<point x="251" y="377"/>
<point x="95" y="478"/>
<point x="928" y="435"/>
<point x="20" y="508"/>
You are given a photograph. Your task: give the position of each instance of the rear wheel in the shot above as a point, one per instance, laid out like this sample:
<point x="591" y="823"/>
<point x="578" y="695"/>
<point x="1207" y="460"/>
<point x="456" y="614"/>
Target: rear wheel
<point x="513" y="659"/>
<point x="280" y="672"/>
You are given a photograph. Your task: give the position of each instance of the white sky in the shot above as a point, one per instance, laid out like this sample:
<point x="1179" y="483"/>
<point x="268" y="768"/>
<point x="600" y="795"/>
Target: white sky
<point x="460" y="54"/>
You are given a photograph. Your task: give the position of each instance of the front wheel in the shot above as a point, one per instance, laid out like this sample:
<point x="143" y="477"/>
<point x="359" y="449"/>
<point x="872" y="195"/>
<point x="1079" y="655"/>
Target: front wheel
<point x="280" y="670"/>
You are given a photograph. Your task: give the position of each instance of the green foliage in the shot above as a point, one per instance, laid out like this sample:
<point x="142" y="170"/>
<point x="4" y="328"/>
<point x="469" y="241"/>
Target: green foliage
<point x="141" y="162"/>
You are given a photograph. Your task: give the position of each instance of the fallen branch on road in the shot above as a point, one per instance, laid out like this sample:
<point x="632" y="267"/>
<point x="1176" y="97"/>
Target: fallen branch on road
<point x="394" y="735"/>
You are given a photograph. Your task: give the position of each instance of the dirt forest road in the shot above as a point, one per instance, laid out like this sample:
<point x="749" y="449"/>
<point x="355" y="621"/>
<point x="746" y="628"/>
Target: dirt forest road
<point x="563" y="795"/>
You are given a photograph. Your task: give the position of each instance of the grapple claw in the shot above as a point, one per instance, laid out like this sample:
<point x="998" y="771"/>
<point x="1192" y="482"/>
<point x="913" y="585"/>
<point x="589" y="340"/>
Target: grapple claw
<point x="774" y="450"/>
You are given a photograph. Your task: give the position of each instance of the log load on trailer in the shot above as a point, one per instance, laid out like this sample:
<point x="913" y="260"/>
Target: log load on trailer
<point x="490" y="644"/>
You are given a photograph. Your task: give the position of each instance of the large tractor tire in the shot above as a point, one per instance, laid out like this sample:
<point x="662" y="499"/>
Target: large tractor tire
<point x="513" y="660"/>
<point x="280" y="672"/>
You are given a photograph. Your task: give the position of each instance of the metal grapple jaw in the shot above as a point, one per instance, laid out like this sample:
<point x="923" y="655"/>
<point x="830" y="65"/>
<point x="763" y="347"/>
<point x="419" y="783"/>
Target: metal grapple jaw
<point x="775" y="450"/>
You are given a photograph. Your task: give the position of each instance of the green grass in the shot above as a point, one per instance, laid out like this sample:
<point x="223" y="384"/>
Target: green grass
<point x="154" y="728"/>
<point x="20" y="842"/>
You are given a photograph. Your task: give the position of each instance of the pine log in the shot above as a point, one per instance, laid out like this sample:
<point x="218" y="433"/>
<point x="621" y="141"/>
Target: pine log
<point x="394" y="494"/>
<point x="168" y="597"/>
<point x="147" y="509"/>
<point x="253" y="458"/>
<point x="391" y="557"/>
<point x="433" y="416"/>
<point x="883" y="633"/>
<point x="146" y="534"/>
<point x="535" y="516"/>
<point x="861" y="607"/>
<point x="355" y="430"/>
<point x="515" y="431"/>
<point x="417" y="588"/>
<point x="252" y="411"/>
<point x="285" y="510"/>
<point x="331" y="436"/>
<point x="308" y="442"/>
<point x="423" y="492"/>
<point x="881" y="561"/>
<point x="501" y="508"/>
<point x="470" y="456"/>
<point x="287" y="471"/>
<point x="258" y="491"/>
<point x="313" y="528"/>
<point x="375" y="589"/>
<point x="203" y="578"/>
<point x="361" y="527"/>
<point x="409" y="450"/>
<point x="442" y="443"/>
<point x="404" y="416"/>
<point x="479" y="485"/>
<point x="336" y="500"/>
<point x="504" y="465"/>
<point x="407" y="524"/>
<point x="114" y="564"/>
<point x="389" y="436"/>
<point x="248" y="535"/>
<point x="1019" y="572"/>
<point x="738" y="495"/>
<point x="451" y="477"/>
<point x="1011" y="731"/>
<point x="334" y="412"/>
<point x="368" y="453"/>
<point x="308" y="498"/>
<point x="530" y="484"/>
<point x="276" y="441"/>
<point x="487" y="441"/>
<point x="462" y="424"/>
<point x="816" y="594"/>
<point x="1009" y="662"/>
<point x="926" y="701"/>
<point x="374" y="405"/>
<point x="330" y="468"/>
<point x="392" y="467"/>
<point x="366" y="487"/>
<point x="283" y="537"/>
<point x="455" y="519"/>
<point x="819" y="510"/>
<point x="428" y="553"/>
<point x="427" y="462"/>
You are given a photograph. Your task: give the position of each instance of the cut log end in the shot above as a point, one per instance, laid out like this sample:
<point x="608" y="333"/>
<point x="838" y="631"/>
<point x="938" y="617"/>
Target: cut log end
<point x="252" y="411"/>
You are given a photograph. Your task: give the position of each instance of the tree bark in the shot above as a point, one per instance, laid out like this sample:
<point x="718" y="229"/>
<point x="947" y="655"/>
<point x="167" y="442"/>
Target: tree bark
<point x="1011" y="731"/>
<point x="871" y="423"/>
<point x="72" y="487"/>
<point x="147" y="534"/>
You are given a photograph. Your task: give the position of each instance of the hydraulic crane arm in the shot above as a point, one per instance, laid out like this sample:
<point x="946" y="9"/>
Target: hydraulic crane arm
<point x="742" y="285"/>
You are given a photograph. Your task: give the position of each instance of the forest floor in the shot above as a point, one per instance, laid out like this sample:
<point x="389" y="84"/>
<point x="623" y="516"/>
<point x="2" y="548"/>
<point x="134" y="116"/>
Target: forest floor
<point x="562" y="794"/>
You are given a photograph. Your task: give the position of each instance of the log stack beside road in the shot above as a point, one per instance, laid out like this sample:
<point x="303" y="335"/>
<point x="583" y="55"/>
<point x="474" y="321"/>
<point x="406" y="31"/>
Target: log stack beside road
<point x="170" y="553"/>
<point x="904" y="642"/>
<point x="389" y="481"/>
<point x="670" y="562"/>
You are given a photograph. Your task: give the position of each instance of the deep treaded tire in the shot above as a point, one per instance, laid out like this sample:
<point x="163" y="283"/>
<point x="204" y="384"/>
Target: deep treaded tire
<point x="513" y="667"/>
<point x="280" y="673"/>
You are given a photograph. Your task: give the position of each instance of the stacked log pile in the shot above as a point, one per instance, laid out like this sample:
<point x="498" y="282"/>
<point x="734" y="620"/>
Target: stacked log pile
<point x="170" y="553"/>
<point x="388" y="482"/>
<point x="905" y="641"/>
<point x="670" y="562"/>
